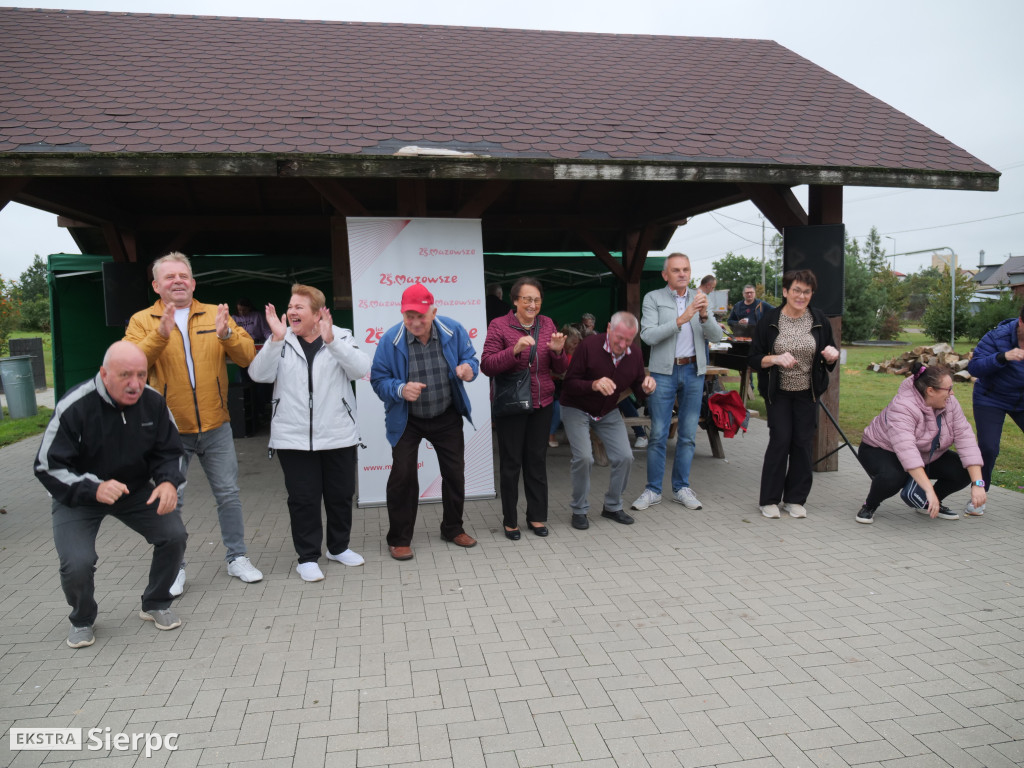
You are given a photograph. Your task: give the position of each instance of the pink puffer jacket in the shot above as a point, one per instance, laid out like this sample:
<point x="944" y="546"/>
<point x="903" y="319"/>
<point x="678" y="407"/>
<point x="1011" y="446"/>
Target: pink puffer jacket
<point x="497" y="357"/>
<point x="907" y="426"/>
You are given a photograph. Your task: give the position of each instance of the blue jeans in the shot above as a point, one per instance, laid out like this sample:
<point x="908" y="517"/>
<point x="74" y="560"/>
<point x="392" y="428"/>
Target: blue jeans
<point x="989" y="421"/>
<point x="216" y="452"/>
<point x="686" y="385"/>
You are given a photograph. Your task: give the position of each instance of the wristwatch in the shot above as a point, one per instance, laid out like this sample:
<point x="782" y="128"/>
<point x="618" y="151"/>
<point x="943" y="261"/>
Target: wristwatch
<point x="980" y="483"/>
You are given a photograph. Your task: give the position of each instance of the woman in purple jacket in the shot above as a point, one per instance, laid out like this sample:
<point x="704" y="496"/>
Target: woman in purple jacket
<point x="910" y="439"/>
<point x="523" y="439"/>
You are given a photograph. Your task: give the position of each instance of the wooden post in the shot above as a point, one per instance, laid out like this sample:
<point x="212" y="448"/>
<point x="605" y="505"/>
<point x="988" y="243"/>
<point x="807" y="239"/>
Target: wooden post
<point x="340" y="263"/>
<point x="825" y="206"/>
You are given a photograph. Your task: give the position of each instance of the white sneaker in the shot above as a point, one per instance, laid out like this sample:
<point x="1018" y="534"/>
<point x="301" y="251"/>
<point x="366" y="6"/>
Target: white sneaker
<point x="243" y="569"/>
<point x="795" y="510"/>
<point x="179" y="583"/>
<point x="641" y="442"/>
<point x="309" y="572"/>
<point x="348" y="557"/>
<point x="647" y="498"/>
<point x="687" y="498"/>
<point x="973" y="511"/>
<point x="771" y="511"/>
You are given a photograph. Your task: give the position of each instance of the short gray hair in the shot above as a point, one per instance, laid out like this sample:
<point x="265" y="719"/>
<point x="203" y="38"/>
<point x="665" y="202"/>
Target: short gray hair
<point x="627" y="319"/>
<point x="172" y="256"/>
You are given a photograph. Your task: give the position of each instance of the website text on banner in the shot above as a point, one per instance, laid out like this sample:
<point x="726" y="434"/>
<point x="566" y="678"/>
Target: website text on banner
<point x="386" y="256"/>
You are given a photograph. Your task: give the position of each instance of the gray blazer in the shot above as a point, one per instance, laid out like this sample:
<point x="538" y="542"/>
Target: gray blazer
<point x="658" y="330"/>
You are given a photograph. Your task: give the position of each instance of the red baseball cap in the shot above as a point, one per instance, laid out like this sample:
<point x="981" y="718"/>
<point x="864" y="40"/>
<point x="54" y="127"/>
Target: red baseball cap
<point x="417" y="298"/>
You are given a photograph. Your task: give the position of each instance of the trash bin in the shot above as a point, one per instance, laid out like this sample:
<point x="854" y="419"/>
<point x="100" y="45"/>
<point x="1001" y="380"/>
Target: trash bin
<point x="19" y="386"/>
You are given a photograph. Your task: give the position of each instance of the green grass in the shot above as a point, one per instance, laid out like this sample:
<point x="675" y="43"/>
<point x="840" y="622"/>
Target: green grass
<point x="13" y="430"/>
<point x="863" y="394"/>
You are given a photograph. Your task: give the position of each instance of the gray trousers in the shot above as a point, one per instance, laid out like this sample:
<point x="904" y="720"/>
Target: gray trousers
<point x="74" y="536"/>
<point x="612" y="432"/>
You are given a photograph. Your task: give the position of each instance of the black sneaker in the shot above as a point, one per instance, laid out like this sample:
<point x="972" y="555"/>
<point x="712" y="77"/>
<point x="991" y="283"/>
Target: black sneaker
<point x="866" y="515"/>
<point x="580" y="522"/>
<point x="948" y="514"/>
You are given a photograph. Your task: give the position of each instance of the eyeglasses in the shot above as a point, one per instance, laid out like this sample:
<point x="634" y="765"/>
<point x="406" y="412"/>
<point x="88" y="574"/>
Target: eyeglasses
<point x="943" y="389"/>
<point x="800" y="291"/>
<point x="529" y="300"/>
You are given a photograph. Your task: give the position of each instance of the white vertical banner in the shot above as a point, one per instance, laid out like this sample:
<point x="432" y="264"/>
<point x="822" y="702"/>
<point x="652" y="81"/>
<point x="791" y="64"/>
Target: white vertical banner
<point x="386" y="256"/>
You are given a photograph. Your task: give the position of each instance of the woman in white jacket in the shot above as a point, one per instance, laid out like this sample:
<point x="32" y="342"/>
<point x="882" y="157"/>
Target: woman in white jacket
<point x="312" y="365"/>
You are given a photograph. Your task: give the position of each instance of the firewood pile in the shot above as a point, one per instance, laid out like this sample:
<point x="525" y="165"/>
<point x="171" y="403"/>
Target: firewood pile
<point x="907" y="363"/>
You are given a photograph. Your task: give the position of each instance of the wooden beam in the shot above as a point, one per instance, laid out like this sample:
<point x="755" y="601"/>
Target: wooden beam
<point x="341" y="200"/>
<point x="483" y="198"/>
<point x="90" y="208"/>
<point x="412" y="197"/>
<point x="602" y="254"/>
<point x="80" y="164"/>
<point x="115" y="244"/>
<point x="10" y="187"/>
<point x="778" y="204"/>
<point x="241" y="223"/>
<point x="824" y="204"/>
<point x="342" y="277"/>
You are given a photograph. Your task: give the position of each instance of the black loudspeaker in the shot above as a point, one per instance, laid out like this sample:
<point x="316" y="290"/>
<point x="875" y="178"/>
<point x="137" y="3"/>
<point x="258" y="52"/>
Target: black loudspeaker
<point x="125" y="291"/>
<point x="820" y="249"/>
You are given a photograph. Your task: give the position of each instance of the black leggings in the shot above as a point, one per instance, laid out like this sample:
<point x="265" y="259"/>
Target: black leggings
<point x="888" y="476"/>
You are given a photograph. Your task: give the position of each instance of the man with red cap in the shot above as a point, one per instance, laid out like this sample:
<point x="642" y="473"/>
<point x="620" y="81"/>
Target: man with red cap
<point x="419" y="371"/>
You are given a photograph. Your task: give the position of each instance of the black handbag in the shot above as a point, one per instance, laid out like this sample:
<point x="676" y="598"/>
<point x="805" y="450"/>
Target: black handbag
<point x="512" y="390"/>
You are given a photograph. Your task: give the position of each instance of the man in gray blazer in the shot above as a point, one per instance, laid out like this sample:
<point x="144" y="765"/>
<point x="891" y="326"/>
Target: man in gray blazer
<point x="676" y="324"/>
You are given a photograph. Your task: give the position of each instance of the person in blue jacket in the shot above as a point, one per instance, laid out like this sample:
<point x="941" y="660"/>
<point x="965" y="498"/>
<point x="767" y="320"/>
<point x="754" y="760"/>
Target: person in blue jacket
<point x="998" y="364"/>
<point x="419" y="372"/>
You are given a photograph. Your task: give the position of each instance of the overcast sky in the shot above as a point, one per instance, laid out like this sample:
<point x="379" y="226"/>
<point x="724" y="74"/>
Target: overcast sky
<point x="953" y="66"/>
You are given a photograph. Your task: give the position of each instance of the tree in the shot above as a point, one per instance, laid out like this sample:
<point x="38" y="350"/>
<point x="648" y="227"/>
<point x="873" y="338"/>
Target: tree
<point x="33" y="293"/>
<point x="936" y="317"/>
<point x="32" y="284"/>
<point x="9" y="312"/>
<point x="736" y="271"/>
<point x="992" y="313"/>
<point x="860" y="305"/>
<point x="920" y="288"/>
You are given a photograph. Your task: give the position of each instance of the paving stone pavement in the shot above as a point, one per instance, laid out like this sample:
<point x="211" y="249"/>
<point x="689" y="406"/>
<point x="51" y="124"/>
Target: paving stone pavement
<point x="692" y="638"/>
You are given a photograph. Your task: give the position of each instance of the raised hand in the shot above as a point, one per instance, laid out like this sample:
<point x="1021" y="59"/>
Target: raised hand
<point x="557" y="342"/>
<point x="167" y="321"/>
<point x="277" y="326"/>
<point x="223" y="321"/>
<point x="326" y="325"/>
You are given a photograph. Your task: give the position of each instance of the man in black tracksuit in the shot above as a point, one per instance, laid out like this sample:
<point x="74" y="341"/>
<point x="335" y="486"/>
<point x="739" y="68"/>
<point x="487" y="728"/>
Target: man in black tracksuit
<point x="112" y="448"/>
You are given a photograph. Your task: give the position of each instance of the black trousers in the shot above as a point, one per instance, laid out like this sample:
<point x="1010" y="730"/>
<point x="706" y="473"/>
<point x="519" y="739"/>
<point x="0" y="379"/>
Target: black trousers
<point x="312" y="476"/>
<point x="74" y="536"/>
<point x="786" y="474"/>
<point x="403" y="491"/>
<point x="888" y="476"/>
<point x="522" y="449"/>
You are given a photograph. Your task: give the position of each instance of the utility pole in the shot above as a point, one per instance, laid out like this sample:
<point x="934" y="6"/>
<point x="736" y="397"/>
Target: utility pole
<point x="762" y="249"/>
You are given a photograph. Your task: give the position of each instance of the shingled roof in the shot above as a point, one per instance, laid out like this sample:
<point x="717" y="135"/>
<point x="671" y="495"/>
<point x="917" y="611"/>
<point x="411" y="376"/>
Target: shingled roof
<point x="90" y="82"/>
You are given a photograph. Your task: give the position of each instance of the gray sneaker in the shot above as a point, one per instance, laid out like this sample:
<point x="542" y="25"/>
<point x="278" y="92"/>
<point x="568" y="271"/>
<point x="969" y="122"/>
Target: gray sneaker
<point x="164" y="619"/>
<point x="79" y="637"/>
<point x="687" y="498"/>
<point x="647" y="498"/>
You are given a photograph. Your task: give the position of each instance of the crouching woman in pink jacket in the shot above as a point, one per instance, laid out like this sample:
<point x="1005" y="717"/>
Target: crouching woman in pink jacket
<point x="910" y="440"/>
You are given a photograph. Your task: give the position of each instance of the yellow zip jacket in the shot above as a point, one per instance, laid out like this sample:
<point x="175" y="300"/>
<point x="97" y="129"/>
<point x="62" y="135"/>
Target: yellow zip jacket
<point x="206" y="407"/>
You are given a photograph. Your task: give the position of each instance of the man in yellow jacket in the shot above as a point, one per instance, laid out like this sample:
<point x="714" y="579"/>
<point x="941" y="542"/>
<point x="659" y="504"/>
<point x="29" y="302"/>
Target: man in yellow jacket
<point x="186" y="345"/>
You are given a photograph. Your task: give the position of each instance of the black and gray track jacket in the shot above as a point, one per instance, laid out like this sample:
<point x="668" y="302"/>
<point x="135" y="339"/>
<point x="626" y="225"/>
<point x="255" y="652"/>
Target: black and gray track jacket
<point x="91" y="439"/>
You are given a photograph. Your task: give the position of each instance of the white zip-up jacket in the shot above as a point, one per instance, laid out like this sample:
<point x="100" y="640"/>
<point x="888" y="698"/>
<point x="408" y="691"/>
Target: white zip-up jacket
<point x="325" y="418"/>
